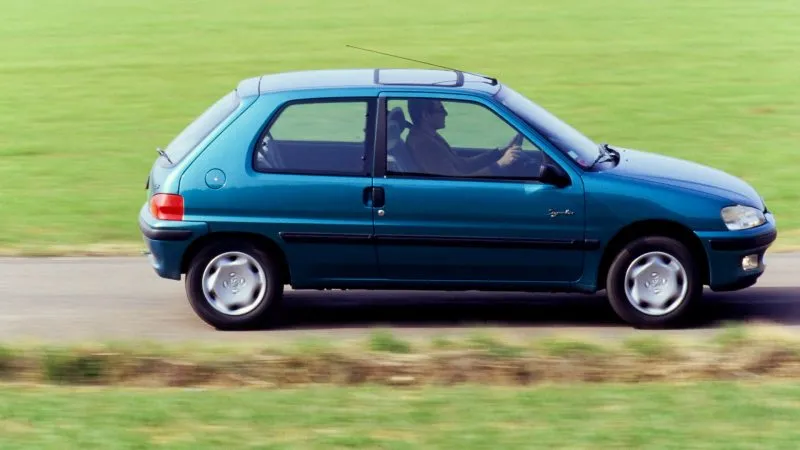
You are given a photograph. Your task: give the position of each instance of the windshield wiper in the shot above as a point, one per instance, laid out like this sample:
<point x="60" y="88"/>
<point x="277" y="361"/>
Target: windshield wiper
<point x="164" y="154"/>
<point x="605" y="151"/>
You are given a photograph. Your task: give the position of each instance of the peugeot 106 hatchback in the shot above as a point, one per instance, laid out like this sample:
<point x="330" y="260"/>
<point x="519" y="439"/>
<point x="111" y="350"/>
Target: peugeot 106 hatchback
<point x="433" y="179"/>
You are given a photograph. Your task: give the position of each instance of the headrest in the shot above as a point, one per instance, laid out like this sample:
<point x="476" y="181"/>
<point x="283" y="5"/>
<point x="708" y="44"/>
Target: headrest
<point x="396" y="115"/>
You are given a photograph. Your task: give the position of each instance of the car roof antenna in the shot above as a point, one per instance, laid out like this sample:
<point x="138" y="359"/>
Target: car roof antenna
<point x="493" y="80"/>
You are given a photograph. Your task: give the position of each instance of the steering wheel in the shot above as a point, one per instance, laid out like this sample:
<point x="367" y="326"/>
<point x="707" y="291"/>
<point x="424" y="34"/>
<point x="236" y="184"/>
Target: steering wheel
<point x="516" y="140"/>
<point x="530" y="162"/>
<point x="528" y="159"/>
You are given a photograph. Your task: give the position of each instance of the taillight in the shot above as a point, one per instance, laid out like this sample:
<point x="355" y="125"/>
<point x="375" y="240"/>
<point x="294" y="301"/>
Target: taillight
<point x="166" y="206"/>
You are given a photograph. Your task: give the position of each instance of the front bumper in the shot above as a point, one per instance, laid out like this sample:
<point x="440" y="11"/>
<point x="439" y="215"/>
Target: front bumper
<point x="726" y="253"/>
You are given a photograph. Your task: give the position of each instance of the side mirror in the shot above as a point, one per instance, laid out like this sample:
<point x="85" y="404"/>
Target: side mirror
<point x="552" y="174"/>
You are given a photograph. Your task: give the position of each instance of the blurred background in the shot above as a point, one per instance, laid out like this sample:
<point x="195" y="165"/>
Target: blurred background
<point x="90" y="88"/>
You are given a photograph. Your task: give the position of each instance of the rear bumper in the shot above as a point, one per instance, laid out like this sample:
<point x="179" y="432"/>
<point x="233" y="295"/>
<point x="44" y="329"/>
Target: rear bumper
<point x="163" y="234"/>
<point x="727" y="250"/>
<point x="167" y="243"/>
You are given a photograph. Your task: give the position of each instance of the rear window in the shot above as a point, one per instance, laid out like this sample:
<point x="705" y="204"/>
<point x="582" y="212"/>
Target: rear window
<point x="202" y="127"/>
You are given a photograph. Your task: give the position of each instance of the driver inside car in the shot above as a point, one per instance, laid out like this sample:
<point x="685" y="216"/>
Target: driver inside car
<point x="434" y="155"/>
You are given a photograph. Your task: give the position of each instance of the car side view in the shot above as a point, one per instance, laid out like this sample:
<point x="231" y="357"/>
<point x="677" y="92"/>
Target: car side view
<point x="434" y="179"/>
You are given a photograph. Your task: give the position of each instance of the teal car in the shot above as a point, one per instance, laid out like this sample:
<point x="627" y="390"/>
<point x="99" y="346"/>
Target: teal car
<point x="418" y="179"/>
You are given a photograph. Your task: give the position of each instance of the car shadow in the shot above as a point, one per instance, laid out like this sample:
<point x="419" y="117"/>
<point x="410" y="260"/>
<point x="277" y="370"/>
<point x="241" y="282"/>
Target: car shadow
<point x="359" y="309"/>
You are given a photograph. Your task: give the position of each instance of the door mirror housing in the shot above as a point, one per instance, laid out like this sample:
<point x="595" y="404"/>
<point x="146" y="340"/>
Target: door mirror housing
<point x="552" y="174"/>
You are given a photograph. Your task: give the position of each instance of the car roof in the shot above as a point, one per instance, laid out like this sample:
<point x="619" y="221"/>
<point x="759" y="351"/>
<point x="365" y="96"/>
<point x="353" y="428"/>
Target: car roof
<point x="367" y="78"/>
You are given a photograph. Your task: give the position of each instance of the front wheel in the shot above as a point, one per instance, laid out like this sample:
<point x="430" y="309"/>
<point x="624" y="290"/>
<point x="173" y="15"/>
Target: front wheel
<point x="234" y="285"/>
<point x="654" y="282"/>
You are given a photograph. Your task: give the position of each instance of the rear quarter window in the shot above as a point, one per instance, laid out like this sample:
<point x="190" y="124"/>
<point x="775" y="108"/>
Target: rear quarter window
<point x="202" y="126"/>
<point x="319" y="137"/>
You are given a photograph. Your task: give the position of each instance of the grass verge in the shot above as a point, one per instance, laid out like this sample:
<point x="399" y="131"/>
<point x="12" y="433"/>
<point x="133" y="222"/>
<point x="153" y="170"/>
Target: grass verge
<point x="733" y="353"/>
<point x="725" y="415"/>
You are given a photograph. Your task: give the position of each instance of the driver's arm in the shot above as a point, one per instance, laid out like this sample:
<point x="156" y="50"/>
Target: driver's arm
<point x="490" y="156"/>
<point x="480" y="160"/>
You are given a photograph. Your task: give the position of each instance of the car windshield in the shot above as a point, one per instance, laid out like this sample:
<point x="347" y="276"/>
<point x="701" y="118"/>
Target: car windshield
<point x="202" y="126"/>
<point x="567" y="139"/>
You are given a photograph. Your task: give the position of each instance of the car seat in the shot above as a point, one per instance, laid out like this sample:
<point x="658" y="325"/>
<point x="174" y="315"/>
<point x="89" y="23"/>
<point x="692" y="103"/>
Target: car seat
<point x="398" y="158"/>
<point x="268" y="155"/>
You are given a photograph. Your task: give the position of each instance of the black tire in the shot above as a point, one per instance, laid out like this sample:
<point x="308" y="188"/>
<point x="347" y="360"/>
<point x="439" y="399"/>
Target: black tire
<point x="266" y="315"/>
<point x="683" y="314"/>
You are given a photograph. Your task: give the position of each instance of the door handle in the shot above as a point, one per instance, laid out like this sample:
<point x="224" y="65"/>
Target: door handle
<point x="374" y="196"/>
<point x="378" y="197"/>
<point x="366" y="196"/>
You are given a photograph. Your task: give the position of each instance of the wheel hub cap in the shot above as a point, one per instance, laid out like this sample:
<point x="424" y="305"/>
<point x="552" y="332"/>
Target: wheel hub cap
<point x="234" y="283"/>
<point x="656" y="283"/>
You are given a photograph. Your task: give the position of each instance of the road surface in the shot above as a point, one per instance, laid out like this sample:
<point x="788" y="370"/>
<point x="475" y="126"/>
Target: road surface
<point x="104" y="298"/>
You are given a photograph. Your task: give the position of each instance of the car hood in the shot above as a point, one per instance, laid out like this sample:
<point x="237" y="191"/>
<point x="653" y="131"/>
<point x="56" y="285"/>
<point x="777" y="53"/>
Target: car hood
<point x="641" y="165"/>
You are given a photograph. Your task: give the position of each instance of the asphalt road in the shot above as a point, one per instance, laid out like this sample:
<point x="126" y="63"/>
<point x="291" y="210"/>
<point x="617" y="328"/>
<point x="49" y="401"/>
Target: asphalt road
<point x="83" y="299"/>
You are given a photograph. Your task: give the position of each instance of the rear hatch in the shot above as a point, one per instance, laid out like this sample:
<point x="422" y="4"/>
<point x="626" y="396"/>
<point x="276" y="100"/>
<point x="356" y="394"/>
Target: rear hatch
<point x="183" y="144"/>
<point x="169" y="159"/>
<point x="155" y="179"/>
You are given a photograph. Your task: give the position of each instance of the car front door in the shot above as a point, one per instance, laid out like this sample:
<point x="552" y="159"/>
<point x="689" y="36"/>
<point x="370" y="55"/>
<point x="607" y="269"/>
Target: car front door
<point x="461" y="228"/>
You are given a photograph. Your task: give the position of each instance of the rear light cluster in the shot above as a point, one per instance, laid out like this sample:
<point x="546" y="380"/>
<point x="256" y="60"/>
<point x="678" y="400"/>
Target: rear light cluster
<point x="166" y="206"/>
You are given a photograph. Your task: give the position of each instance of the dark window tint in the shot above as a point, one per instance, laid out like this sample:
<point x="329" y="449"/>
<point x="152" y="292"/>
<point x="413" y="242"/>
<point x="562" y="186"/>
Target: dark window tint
<point x="316" y="138"/>
<point x="201" y="127"/>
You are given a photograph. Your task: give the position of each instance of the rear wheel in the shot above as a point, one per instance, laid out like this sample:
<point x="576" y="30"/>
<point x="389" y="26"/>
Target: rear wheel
<point x="235" y="285"/>
<point x="654" y="282"/>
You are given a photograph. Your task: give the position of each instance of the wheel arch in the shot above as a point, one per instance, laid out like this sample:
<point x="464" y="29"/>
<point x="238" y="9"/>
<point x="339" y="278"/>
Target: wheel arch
<point x="264" y="243"/>
<point x="665" y="228"/>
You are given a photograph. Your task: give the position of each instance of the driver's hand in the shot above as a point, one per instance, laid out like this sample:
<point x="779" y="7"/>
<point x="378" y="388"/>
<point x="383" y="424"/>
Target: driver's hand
<point x="511" y="155"/>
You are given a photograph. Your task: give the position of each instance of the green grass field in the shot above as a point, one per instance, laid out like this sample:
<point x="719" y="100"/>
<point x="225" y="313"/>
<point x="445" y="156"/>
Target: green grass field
<point x="704" y="415"/>
<point x="89" y="88"/>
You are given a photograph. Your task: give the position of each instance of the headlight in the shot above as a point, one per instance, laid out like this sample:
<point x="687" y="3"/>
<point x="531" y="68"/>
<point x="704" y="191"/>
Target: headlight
<point x="742" y="217"/>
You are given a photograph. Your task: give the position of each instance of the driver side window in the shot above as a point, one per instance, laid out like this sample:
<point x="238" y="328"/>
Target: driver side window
<point x="453" y="138"/>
